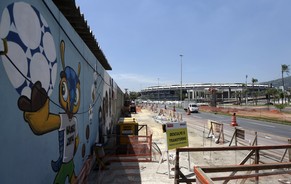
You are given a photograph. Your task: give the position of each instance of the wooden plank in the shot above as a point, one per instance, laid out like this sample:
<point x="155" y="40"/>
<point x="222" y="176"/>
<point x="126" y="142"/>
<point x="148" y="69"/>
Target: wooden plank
<point x="250" y="175"/>
<point x="212" y="169"/>
<point x="201" y="176"/>
<point x="240" y="134"/>
<point x="227" y="148"/>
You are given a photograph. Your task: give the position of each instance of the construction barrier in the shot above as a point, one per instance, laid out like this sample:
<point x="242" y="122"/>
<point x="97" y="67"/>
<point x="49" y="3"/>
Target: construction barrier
<point x="216" y="131"/>
<point x="133" y="142"/>
<point x="232" y="172"/>
<point x="233" y="120"/>
<point x="125" y="128"/>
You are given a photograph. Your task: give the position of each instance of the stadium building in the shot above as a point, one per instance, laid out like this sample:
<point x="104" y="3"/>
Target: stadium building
<point x="203" y="92"/>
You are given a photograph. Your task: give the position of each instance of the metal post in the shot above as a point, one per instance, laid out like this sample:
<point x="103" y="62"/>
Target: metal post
<point x="289" y="150"/>
<point x="177" y="166"/>
<point x="168" y="165"/>
<point x="158" y="91"/>
<point x="235" y="138"/>
<point x="257" y="159"/>
<point x="181" y="79"/>
<point x="246" y="89"/>
<point x="189" y="161"/>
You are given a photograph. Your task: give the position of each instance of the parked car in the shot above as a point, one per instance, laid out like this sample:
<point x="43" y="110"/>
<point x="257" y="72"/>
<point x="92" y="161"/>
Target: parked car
<point x="193" y="107"/>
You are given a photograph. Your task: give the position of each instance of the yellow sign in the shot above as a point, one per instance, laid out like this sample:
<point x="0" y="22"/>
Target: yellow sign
<point x="126" y="127"/>
<point x="177" y="135"/>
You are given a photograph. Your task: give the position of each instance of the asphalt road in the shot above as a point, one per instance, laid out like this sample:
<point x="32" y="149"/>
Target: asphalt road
<point x="248" y="124"/>
<point x="255" y="125"/>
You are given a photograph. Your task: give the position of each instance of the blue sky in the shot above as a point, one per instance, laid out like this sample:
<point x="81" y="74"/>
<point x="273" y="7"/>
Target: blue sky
<point x="221" y="41"/>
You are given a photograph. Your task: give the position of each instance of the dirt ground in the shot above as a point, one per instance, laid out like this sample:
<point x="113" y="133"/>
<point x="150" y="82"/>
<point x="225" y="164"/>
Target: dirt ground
<point x="157" y="171"/>
<point x="266" y="113"/>
<point x="197" y="140"/>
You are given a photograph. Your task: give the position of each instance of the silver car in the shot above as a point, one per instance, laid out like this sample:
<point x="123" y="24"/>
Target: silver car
<point x="193" y="107"/>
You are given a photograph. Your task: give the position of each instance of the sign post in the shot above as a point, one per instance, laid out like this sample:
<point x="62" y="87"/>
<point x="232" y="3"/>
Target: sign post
<point x="176" y="136"/>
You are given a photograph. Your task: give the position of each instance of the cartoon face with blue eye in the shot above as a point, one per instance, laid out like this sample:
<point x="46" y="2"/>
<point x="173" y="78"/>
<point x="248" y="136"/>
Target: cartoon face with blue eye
<point x="41" y="121"/>
<point x="69" y="94"/>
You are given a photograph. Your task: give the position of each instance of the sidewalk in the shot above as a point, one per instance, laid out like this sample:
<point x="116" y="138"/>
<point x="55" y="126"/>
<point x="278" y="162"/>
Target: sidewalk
<point x="153" y="172"/>
<point x="143" y="172"/>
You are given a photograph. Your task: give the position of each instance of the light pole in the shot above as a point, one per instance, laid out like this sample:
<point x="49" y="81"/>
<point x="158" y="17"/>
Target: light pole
<point x="181" y="79"/>
<point x="246" y="89"/>
<point x="158" y="90"/>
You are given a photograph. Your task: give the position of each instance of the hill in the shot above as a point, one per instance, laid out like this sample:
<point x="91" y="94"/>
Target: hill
<point x="278" y="82"/>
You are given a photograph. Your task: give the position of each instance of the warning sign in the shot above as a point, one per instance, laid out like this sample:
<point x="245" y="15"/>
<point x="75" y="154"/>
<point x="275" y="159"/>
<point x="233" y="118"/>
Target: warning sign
<point x="177" y="135"/>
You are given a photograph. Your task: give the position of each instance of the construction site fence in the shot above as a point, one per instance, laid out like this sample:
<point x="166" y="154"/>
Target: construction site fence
<point x="254" y="151"/>
<point x="134" y="148"/>
<point x="168" y="113"/>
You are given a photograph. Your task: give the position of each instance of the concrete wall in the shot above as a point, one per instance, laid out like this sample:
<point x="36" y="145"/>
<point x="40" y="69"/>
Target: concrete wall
<point x="57" y="100"/>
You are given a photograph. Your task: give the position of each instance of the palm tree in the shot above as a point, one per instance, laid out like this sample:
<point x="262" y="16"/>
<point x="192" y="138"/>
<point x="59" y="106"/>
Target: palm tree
<point x="284" y="69"/>
<point x="238" y="96"/>
<point x="269" y="92"/>
<point x="253" y="83"/>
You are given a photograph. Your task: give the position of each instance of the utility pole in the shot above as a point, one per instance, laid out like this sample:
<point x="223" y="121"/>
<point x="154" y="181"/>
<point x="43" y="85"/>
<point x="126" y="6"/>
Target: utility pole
<point x="246" y="89"/>
<point x="158" y="90"/>
<point x="181" y="79"/>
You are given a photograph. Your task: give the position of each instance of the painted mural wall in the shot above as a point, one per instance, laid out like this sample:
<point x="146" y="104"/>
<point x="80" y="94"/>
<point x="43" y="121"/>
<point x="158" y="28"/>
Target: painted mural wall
<point x="57" y="100"/>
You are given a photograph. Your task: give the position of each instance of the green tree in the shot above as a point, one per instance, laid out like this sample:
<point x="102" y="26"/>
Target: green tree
<point x="238" y="96"/>
<point x="134" y="95"/>
<point x="244" y="92"/>
<point x="253" y="85"/>
<point x="280" y="106"/>
<point x="284" y="69"/>
<point x="256" y="94"/>
<point x="270" y="93"/>
<point x="277" y="96"/>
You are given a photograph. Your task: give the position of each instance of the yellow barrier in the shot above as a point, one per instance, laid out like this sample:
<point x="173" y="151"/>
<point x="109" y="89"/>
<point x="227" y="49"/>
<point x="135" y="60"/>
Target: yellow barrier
<point x="126" y="127"/>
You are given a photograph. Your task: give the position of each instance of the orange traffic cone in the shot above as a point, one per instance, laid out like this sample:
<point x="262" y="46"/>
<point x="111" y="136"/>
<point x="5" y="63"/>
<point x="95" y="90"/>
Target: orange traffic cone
<point x="233" y="120"/>
<point x="188" y="112"/>
<point x="174" y="109"/>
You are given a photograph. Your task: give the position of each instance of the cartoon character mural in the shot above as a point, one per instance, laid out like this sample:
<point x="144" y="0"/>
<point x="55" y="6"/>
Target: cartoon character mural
<point x="31" y="63"/>
<point x="32" y="52"/>
<point x="29" y="58"/>
<point x="41" y="121"/>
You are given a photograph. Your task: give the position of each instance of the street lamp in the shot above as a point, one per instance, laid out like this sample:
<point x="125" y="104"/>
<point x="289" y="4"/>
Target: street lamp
<point x="181" y="79"/>
<point x="158" y="90"/>
<point x="246" y="89"/>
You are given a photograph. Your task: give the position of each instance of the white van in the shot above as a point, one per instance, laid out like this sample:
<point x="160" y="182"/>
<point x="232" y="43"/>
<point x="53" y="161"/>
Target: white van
<point x="193" y="107"/>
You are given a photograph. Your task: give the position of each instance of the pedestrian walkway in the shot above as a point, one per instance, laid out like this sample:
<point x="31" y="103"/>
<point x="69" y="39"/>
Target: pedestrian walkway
<point x="156" y="171"/>
<point x="143" y="172"/>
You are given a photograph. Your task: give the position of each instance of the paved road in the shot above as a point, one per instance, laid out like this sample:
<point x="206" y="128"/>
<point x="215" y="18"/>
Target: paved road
<point x="249" y="124"/>
<point x="268" y="133"/>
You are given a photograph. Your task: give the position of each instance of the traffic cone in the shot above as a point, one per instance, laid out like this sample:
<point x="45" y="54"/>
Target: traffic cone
<point x="233" y="120"/>
<point x="174" y="109"/>
<point x="188" y="112"/>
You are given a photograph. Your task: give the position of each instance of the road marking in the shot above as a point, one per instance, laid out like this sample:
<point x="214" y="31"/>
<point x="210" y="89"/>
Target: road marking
<point x="196" y="116"/>
<point x="262" y="124"/>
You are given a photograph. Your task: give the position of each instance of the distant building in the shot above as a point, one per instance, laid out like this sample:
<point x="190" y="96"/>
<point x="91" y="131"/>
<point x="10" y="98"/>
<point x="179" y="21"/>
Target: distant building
<point x="202" y="92"/>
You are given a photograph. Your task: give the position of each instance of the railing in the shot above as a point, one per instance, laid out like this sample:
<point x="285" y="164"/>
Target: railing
<point x="138" y="149"/>
<point x="132" y="148"/>
<point x="203" y="178"/>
